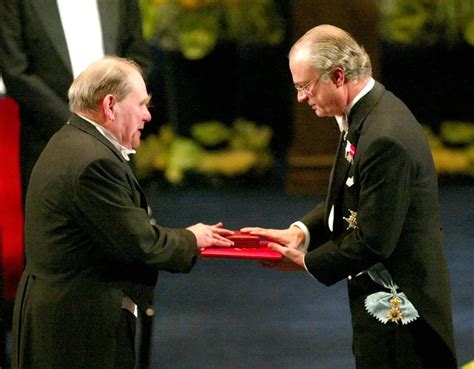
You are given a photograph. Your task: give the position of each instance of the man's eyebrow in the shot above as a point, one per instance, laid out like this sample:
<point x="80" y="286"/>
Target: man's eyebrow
<point x="147" y="100"/>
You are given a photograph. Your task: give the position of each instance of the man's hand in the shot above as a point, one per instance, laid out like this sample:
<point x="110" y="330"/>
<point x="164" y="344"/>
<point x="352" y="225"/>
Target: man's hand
<point x="286" y="242"/>
<point x="211" y="235"/>
<point x="291" y="237"/>
<point x="293" y="259"/>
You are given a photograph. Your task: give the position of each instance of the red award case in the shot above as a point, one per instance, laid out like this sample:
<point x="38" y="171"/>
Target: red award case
<point x="246" y="246"/>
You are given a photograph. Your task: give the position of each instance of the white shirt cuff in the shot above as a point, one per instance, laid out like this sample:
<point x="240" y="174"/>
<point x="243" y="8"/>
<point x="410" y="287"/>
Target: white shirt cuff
<point x="304" y="246"/>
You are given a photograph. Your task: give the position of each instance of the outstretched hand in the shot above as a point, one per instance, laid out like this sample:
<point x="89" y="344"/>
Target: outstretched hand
<point x="211" y="235"/>
<point x="291" y="237"/>
<point x="286" y="242"/>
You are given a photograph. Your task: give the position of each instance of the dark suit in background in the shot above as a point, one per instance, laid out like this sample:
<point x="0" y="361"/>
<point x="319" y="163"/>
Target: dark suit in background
<point x="37" y="69"/>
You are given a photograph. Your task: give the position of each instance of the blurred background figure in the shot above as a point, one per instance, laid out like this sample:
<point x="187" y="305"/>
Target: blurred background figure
<point x="44" y="45"/>
<point x="11" y="215"/>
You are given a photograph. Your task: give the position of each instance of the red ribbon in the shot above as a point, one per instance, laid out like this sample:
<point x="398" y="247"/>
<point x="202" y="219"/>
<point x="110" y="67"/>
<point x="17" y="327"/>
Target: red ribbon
<point x="11" y="210"/>
<point x="350" y="151"/>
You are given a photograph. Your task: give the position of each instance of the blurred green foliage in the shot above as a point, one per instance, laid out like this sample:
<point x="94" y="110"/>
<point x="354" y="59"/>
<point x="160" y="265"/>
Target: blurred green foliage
<point x="427" y="21"/>
<point x="457" y="133"/>
<point x="453" y="148"/>
<point x="214" y="150"/>
<point x="195" y="27"/>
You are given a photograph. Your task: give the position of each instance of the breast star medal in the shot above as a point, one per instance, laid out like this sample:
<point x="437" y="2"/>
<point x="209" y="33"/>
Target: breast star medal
<point x="351" y="220"/>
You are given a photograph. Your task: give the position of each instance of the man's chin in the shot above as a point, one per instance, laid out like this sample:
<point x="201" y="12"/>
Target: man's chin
<point x="318" y="113"/>
<point x="322" y="114"/>
<point x="136" y="140"/>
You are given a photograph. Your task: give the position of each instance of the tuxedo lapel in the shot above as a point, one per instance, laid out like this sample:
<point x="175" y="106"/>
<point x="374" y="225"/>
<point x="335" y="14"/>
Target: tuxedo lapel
<point x="360" y="110"/>
<point x="340" y="169"/>
<point x="342" y="164"/>
<point x="335" y="174"/>
<point x="109" y="19"/>
<point x="338" y="175"/>
<point x="48" y="14"/>
<point x="85" y="126"/>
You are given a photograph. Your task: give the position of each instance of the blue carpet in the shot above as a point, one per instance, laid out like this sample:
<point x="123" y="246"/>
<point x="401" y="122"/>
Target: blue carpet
<point x="235" y="314"/>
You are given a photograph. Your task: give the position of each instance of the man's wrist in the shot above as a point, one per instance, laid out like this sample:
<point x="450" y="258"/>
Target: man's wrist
<point x="304" y="238"/>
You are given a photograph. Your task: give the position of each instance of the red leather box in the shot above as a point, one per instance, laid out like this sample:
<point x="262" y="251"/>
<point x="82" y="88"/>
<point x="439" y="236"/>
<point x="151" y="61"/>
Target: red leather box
<point x="246" y="246"/>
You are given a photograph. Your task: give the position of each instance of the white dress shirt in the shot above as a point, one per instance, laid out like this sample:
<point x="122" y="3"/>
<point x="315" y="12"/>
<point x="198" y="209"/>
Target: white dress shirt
<point x="82" y="28"/>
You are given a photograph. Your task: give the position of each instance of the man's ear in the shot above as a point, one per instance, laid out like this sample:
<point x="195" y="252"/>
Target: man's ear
<point x="108" y="107"/>
<point x="337" y="76"/>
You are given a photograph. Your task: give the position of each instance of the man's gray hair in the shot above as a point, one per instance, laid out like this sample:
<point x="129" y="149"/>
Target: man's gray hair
<point x="330" y="47"/>
<point x="109" y="75"/>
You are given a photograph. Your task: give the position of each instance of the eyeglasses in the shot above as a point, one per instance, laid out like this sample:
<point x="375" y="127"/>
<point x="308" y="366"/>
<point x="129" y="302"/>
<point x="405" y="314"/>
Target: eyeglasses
<point x="305" y="88"/>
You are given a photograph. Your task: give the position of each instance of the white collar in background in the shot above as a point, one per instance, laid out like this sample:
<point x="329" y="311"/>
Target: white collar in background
<point x="342" y="120"/>
<point x="125" y="151"/>
<point x="83" y="32"/>
<point x="3" y="90"/>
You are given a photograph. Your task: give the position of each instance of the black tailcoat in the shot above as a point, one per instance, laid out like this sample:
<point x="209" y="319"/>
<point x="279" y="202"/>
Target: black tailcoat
<point x="391" y="185"/>
<point x="88" y="241"/>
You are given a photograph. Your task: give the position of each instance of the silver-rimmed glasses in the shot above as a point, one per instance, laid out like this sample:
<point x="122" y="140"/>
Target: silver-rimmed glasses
<point x="305" y="88"/>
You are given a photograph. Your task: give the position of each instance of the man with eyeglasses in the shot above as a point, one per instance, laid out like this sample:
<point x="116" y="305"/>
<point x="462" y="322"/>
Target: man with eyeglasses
<point x="379" y="227"/>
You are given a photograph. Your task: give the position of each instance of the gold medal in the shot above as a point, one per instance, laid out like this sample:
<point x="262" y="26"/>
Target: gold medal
<point x="395" y="314"/>
<point x="390" y="306"/>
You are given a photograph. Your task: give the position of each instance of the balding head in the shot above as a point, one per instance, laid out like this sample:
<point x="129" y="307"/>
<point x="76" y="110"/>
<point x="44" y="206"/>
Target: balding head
<point x="327" y="47"/>
<point x="109" y="75"/>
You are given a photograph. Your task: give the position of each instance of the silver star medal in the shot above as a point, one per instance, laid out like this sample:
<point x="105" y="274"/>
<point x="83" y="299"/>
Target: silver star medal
<point x="351" y="220"/>
<point x="350" y="182"/>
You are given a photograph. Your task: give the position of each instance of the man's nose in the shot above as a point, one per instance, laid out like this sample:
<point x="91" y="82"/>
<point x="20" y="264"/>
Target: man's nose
<point x="301" y="96"/>
<point x="147" y="115"/>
